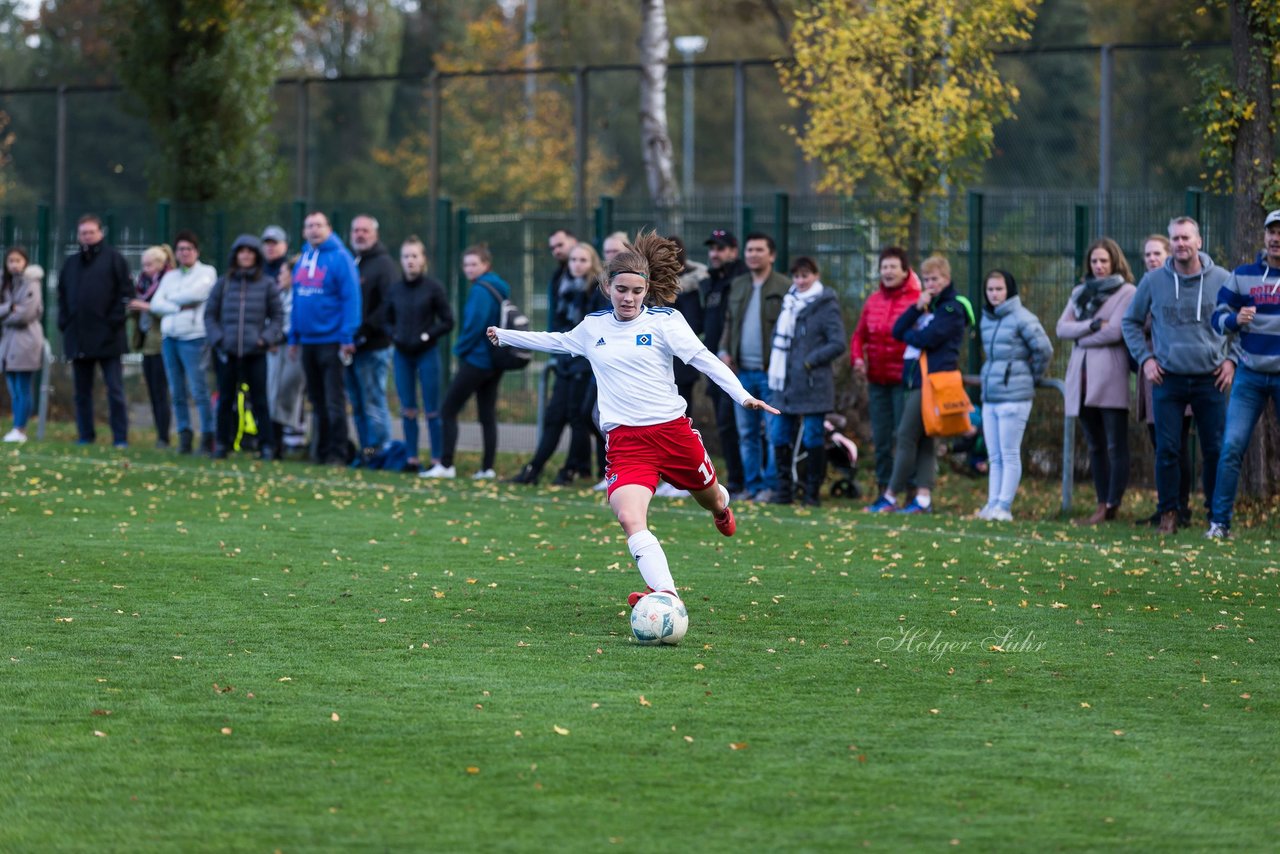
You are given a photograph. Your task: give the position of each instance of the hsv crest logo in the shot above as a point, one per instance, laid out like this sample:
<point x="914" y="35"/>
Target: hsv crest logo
<point x="644" y="340"/>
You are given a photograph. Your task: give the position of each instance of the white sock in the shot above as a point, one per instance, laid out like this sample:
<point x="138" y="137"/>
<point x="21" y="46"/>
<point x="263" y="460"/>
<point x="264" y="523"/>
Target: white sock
<point x="924" y="500"/>
<point x="651" y="560"/>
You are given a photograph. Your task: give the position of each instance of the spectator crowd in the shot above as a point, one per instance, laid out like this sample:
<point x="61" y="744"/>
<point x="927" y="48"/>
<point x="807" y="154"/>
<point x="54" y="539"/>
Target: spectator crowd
<point x="326" y="326"/>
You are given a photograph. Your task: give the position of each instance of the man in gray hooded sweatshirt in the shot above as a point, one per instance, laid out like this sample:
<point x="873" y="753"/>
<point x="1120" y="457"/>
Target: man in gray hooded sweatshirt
<point x="1191" y="364"/>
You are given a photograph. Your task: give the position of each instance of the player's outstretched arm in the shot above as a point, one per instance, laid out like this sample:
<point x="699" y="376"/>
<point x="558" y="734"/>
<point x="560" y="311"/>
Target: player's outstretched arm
<point x="753" y="403"/>
<point x="546" y="342"/>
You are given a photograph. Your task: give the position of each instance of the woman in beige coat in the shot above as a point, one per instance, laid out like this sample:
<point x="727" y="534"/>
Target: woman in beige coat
<point x="1098" y="373"/>
<point x="21" y="336"/>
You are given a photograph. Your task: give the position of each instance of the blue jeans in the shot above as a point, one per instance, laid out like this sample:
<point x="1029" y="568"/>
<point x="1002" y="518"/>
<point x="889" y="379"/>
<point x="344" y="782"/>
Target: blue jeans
<point x="366" y="381"/>
<point x="412" y="371"/>
<point x="183" y="362"/>
<point x="19" y="383"/>
<point x="1249" y="396"/>
<point x="1003" y="425"/>
<point x="1169" y="401"/>
<point x="782" y="429"/>
<point x="757" y="456"/>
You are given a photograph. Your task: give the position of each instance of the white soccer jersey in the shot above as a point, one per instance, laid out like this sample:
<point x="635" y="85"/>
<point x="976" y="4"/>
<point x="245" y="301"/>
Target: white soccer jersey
<point x="632" y="362"/>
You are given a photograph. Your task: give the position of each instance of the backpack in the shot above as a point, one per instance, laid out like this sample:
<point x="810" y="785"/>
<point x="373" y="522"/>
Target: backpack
<point x="509" y="317"/>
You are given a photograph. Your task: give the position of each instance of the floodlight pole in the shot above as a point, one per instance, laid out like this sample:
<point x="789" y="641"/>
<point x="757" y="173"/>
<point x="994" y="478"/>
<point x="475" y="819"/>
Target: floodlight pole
<point x="689" y="47"/>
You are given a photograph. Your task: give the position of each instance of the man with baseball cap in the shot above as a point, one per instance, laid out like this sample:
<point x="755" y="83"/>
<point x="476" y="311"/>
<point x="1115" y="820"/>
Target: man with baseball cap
<point x="723" y="266"/>
<point x="286" y="385"/>
<point x="1249" y="308"/>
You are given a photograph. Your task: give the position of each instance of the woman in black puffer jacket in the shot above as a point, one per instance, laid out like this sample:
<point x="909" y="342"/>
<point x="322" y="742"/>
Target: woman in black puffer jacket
<point x="243" y="320"/>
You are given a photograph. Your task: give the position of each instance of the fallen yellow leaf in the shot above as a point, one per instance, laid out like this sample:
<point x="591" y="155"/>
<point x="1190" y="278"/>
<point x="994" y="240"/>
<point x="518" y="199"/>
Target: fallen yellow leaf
<point x="737" y="745"/>
<point x="471" y="769"/>
<point x="560" y="730"/>
<point x="334" y="717"/>
<point x="644" y="702"/>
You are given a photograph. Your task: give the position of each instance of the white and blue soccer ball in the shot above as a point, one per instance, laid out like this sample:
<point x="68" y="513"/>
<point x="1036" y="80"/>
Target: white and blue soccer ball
<point x="659" y="618"/>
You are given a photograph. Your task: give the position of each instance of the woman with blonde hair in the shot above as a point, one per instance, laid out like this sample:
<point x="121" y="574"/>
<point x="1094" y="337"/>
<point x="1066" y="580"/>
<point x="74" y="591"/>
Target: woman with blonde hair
<point x="630" y="347"/>
<point x="145" y="336"/>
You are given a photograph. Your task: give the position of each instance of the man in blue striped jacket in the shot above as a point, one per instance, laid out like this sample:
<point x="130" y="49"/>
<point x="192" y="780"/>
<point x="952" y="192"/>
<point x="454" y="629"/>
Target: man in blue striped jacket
<point x="1249" y="307"/>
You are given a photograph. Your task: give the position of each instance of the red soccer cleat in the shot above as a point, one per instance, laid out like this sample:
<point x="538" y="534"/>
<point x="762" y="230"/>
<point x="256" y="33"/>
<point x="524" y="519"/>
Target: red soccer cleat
<point x="725" y="523"/>
<point x="724" y="520"/>
<point x="636" y="597"/>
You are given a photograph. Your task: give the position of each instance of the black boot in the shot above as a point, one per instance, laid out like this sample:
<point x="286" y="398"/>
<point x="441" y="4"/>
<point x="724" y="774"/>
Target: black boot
<point x="786" y="486"/>
<point x="184" y="441"/>
<point x="206" y="444"/>
<point x="528" y="476"/>
<point x="277" y="440"/>
<point x="815" y="475"/>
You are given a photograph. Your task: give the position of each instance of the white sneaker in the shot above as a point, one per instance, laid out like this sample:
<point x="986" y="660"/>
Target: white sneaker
<point x="999" y="514"/>
<point x="666" y="490"/>
<point x="439" y="470"/>
<point x="985" y="512"/>
<point x="483" y="474"/>
<point x="15" y="435"/>
<point x="1217" y="532"/>
<point x="601" y="486"/>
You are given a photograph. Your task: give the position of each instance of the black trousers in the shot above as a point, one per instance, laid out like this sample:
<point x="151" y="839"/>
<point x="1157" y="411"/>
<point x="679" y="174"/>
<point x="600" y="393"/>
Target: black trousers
<point x="566" y="408"/>
<point x="328" y="396"/>
<point x="158" y="393"/>
<point x="117" y="411"/>
<point x="235" y="370"/>
<point x="1107" y="432"/>
<point x="483" y="383"/>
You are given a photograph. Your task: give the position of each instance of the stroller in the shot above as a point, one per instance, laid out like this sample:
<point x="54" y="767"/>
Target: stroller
<point x="841" y="457"/>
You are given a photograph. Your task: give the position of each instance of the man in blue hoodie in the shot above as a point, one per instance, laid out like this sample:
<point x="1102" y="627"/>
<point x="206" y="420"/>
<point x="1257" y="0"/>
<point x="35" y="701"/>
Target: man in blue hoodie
<point x="1248" y="308"/>
<point x="324" y="319"/>
<point x="1187" y="363"/>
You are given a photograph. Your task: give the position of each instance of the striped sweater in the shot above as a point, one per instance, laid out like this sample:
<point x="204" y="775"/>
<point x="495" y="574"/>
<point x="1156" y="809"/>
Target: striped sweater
<point x="1257" y="285"/>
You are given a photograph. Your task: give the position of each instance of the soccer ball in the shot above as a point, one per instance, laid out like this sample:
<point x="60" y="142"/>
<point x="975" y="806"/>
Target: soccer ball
<point x="659" y="618"/>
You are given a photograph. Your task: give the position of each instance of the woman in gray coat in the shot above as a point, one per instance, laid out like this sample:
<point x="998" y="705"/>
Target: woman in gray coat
<point x="807" y="337"/>
<point x="242" y="320"/>
<point x="21" y="336"/>
<point x="1098" y="374"/>
<point x="1018" y="353"/>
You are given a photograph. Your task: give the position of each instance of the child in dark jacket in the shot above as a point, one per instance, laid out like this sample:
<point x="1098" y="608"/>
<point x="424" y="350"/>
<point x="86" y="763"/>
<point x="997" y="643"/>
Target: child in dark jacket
<point x="243" y="319"/>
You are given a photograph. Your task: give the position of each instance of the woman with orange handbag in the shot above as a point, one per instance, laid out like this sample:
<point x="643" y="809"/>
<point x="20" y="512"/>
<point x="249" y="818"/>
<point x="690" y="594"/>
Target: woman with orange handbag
<point x="933" y="328"/>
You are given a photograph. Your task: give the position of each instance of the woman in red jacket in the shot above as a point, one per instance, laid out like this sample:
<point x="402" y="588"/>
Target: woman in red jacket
<point x="876" y="355"/>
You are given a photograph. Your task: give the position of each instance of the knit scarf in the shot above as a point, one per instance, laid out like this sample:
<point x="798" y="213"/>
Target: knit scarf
<point x="785" y="329"/>
<point x="1094" y="293"/>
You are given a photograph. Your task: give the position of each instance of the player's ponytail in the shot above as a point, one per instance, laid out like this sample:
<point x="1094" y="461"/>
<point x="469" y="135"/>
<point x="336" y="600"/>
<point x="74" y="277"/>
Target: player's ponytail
<point x="655" y="258"/>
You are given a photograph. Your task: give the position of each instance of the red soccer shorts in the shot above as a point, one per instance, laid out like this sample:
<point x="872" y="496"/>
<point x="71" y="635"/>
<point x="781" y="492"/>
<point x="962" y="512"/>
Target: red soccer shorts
<point x="672" y="451"/>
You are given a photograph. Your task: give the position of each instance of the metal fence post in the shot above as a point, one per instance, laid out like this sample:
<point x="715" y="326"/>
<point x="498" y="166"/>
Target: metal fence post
<point x="299" y="217"/>
<point x="8" y="229"/>
<point x="606" y="218"/>
<point x="976" y="229"/>
<point x="1082" y="238"/>
<point x="739" y="130"/>
<point x="163" y="210"/>
<point x="580" y="140"/>
<point x="748" y="223"/>
<point x="782" y="225"/>
<point x="219" y="236"/>
<point x="443" y="263"/>
<point x="462" y="235"/>
<point x="43" y="254"/>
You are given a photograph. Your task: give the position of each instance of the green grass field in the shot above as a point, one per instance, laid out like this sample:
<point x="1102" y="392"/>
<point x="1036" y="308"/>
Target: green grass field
<point x="248" y="657"/>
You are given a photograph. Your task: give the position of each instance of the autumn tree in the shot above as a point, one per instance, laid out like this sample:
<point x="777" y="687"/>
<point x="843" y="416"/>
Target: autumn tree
<point x="202" y="71"/>
<point x="506" y="157"/>
<point x="1238" y="110"/>
<point x="902" y="96"/>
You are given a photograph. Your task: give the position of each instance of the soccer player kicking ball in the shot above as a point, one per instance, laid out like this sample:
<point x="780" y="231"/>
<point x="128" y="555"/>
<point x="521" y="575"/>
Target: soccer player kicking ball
<point x="647" y="434"/>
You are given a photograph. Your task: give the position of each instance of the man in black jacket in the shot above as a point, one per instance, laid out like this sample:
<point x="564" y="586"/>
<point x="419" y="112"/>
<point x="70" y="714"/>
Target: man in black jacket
<point x="723" y="266"/>
<point x="93" y="292"/>
<point x="366" y="376"/>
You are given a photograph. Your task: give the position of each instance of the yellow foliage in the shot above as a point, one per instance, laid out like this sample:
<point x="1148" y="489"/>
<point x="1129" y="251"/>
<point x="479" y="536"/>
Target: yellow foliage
<point x="517" y="153"/>
<point x="902" y="93"/>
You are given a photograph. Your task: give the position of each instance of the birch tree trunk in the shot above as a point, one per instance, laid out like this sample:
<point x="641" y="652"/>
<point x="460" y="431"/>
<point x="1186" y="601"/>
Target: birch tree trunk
<point x="659" y="157"/>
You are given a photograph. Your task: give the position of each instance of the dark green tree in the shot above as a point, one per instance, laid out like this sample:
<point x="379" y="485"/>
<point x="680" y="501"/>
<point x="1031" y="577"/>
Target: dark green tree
<point x="202" y="72"/>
